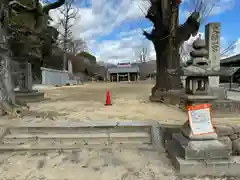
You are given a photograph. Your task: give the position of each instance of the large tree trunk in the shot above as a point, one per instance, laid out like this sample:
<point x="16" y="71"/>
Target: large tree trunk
<point x="166" y="59"/>
<point x="167" y="53"/>
<point x="167" y="37"/>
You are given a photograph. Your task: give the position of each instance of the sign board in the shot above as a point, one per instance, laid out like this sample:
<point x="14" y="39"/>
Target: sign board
<point x="200" y="119"/>
<point x="124" y="65"/>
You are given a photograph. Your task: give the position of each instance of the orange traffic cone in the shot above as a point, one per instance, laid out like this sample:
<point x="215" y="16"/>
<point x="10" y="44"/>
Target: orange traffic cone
<point x="108" y="99"/>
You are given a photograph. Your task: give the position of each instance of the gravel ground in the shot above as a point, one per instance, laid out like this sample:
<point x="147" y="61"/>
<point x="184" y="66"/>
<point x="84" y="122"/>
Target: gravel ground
<point x="86" y="103"/>
<point x="130" y="102"/>
<point x="89" y="164"/>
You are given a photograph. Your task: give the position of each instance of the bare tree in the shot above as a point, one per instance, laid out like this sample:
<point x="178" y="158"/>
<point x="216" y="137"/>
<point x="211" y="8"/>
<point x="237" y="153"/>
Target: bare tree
<point x="68" y="14"/>
<point x="142" y="51"/>
<point x="143" y="55"/>
<point x="76" y="46"/>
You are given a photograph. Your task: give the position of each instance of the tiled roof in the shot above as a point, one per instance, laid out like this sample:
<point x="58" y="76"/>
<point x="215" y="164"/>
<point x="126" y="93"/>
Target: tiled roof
<point x="123" y="70"/>
<point x="231" y="59"/>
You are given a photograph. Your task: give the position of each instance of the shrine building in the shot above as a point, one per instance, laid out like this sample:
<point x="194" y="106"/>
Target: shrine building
<point x="123" y="72"/>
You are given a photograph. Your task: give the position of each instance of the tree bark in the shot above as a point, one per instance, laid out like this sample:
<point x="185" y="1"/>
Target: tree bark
<point x="167" y="58"/>
<point x="167" y="54"/>
<point x="7" y="96"/>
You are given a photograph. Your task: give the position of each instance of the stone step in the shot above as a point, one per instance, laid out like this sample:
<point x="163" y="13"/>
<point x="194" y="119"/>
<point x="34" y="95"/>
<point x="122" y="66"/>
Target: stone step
<point x="72" y="129"/>
<point x="76" y="124"/>
<point x="200" y="149"/>
<point x="94" y="138"/>
<point x="214" y="167"/>
<point x="36" y="147"/>
<point x="66" y="135"/>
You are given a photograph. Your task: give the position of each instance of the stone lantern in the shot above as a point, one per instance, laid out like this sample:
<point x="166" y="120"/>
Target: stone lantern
<point x="198" y="84"/>
<point x="198" y="71"/>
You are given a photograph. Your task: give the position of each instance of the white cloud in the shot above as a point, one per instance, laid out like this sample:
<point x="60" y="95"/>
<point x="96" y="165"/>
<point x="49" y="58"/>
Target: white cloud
<point x="102" y="17"/>
<point x="211" y="7"/>
<point x="221" y="6"/>
<point x="125" y="49"/>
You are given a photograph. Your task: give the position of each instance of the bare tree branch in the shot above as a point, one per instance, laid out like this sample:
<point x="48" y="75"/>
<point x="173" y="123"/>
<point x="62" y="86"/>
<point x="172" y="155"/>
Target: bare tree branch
<point x="190" y="27"/>
<point x="148" y="36"/>
<point x="229" y="48"/>
<point x="204" y="7"/>
<point x="76" y="46"/>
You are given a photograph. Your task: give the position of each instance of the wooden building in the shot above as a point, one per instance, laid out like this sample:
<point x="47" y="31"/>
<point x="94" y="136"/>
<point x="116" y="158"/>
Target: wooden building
<point x="123" y="72"/>
<point x="233" y="61"/>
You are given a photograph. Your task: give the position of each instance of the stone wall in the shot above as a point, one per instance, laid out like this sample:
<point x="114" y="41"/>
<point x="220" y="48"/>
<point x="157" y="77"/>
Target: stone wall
<point x="230" y="135"/>
<point x="220" y="108"/>
<point x="225" y="107"/>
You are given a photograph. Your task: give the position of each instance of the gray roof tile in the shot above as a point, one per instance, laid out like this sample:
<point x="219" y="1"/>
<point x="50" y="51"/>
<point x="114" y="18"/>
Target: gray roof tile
<point x="123" y="70"/>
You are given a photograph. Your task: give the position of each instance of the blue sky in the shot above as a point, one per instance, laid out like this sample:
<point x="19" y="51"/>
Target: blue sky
<point x="113" y="28"/>
<point x="230" y="22"/>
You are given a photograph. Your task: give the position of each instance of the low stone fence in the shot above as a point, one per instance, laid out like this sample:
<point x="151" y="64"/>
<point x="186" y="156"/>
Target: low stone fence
<point x="54" y="77"/>
<point x="58" y="77"/>
<point x="230" y="135"/>
<point x="229" y="85"/>
<point x="225" y="107"/>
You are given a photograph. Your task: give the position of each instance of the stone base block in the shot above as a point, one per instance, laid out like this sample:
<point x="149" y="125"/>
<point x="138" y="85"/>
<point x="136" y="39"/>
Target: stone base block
<point x="201" y="149"/>
<point x="157" y="138"/>
<point x="33" y="96"/>
<point x="234" y="166"/>
<point x="217" y="167"/>
<point x="195" y="99"/>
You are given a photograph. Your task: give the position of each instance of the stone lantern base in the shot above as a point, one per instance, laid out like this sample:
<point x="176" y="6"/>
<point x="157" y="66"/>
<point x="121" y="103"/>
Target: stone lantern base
<point x="30" y="96"/>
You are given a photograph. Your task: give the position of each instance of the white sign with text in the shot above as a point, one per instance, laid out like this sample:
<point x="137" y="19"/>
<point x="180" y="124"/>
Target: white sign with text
<point x="200" y="119"/>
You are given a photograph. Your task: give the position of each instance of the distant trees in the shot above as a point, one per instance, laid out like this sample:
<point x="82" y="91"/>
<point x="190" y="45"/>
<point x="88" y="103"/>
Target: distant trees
<point x="68" y="47"/>
<point x="88" y="56"/>
<point x="143" y="55"/>
<point x="76" y="46"/>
